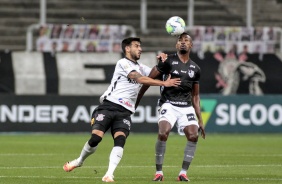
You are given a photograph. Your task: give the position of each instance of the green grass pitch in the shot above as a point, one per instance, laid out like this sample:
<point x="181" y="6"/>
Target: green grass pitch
<point x="221" y="158"/>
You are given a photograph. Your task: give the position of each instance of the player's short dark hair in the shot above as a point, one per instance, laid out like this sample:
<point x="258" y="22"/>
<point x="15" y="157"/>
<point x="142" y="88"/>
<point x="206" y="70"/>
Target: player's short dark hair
<point x="128" y="41"/>
<point x="184" y="33"/>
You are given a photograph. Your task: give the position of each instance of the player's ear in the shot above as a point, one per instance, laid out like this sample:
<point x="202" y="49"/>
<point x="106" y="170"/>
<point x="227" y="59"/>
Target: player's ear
<point x="127" y="48"/>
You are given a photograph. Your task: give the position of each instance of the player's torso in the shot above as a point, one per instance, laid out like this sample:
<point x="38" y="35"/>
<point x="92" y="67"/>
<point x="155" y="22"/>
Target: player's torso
<point x="188" y="73"/>
<point x="123" y="84"/>
<point x="124" y="90"/>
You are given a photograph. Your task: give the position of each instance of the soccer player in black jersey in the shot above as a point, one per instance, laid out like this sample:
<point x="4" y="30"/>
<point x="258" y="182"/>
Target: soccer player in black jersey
<point x="180" y="105"/>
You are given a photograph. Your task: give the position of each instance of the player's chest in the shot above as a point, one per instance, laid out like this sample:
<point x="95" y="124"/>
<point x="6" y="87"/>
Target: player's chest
<point x="183" y="71"/>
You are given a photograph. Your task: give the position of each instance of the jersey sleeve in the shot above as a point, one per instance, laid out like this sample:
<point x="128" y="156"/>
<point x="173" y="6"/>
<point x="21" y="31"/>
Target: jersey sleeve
<point x="197" y="76"/>
<point x="146" y="70"/>
<point x="125" y="66"/>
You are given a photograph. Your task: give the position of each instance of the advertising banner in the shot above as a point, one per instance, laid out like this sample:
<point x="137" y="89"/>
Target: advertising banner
<point x="53" y="113"/>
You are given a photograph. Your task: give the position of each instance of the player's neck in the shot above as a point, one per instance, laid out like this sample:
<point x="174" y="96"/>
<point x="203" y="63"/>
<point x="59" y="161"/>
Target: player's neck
<point x="184" y="58"/>
<point x="129" y="58"/>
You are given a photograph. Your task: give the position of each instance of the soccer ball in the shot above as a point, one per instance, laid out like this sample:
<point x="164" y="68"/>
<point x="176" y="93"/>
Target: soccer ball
<point x="175" y="26"/>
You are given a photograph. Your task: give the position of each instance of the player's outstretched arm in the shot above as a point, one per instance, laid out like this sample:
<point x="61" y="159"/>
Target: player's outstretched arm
<point x="153" y="74"/>
<point x="153" y="82"/>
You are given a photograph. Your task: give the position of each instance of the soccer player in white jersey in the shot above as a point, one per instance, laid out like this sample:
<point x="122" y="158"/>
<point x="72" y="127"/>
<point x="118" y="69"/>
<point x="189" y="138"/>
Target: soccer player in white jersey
<point x="179" y="105"/>
<point x="117" y="105"/>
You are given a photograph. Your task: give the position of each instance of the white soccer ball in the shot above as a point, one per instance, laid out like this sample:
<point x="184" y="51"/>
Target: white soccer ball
<point x="175" y="26"/>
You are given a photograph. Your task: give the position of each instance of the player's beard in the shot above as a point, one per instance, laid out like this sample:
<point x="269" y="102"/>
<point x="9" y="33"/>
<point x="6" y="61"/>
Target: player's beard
<point x="183" y="51"/>
<point x="134" y="56"/>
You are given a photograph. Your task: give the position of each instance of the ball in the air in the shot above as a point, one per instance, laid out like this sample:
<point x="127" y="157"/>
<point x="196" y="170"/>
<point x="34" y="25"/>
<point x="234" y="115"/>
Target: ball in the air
<point x="175" y="26"/>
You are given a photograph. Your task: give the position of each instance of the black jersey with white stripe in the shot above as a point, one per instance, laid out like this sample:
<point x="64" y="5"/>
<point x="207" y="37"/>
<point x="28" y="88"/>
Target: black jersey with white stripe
<point x="189" y="73"/>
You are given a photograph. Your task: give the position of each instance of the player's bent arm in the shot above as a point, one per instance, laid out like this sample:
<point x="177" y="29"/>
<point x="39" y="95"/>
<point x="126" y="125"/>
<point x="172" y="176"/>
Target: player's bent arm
<point x="153" y="74"/>
<point x="153" y="82"/>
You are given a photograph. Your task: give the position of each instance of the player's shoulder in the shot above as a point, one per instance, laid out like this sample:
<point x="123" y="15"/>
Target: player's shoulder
<point x="172" y="58"/>
<point x="122" y="60"/>
<point x="192" y="63"/>
<point x="172" y="55"/>
<point x="143" y="65"/>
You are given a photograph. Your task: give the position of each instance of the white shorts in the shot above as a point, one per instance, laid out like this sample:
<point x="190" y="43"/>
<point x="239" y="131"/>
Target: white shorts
<point x="183" y="116"/>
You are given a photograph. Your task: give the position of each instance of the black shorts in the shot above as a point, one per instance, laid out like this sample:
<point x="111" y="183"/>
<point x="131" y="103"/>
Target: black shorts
<point x="111" y="115"/>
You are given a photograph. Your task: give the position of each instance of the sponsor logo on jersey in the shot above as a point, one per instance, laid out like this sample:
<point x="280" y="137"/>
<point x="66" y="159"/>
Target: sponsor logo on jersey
<point x="100" y="117"/>
<point x="174" y="63"/>
<point x="192" y="66"/>
<point x="178" y="103"/>
<point x="163" y="111"/>
<point x="183" y="71"/>
<point x="175" y="72"/>
<point x="132" y="81"/>
<point x="125" y="102"/>
<point x="191" y="73"/>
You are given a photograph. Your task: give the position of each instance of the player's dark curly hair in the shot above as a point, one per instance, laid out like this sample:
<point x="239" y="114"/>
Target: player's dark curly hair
<point x="127" y="42"/>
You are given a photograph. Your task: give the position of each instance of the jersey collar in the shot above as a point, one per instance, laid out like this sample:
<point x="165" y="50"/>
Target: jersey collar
<point x="132" y="61"/>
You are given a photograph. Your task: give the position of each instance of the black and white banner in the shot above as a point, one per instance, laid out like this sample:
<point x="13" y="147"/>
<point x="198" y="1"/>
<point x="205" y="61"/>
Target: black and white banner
<point x="36" y="73"/>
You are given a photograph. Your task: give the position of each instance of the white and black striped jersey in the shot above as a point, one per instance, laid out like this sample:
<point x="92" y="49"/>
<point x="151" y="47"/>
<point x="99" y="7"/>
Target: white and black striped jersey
<point x="189" y="73"/>
<point x="122" y="90"/>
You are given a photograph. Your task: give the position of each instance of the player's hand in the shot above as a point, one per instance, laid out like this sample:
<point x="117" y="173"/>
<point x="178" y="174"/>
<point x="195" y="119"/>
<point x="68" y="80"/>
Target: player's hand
<point x="202" y="130"/>
<point x="172" y="82"/>
<point x="162" y="57"/>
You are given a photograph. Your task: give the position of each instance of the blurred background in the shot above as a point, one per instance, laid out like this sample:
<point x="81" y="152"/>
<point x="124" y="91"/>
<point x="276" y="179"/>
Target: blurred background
<point x="58" y="57"/>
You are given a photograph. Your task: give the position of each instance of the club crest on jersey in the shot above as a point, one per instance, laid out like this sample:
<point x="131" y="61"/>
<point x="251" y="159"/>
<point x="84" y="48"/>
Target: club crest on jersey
<point x="100" y="117"/>
<point x="191" y="73"/>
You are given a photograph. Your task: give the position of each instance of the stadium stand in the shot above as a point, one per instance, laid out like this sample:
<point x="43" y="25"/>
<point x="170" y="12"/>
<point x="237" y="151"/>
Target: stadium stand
<point x="17" y="15"/>
<point x="265" y="12"/>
